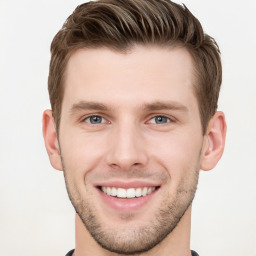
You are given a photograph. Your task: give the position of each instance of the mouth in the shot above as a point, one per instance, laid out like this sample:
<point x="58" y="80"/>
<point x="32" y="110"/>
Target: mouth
<point x="129" y="193"/>
<point x="125" y="197"/>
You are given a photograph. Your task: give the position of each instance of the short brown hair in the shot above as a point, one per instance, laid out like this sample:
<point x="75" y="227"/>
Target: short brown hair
<point x="120" y="24"/>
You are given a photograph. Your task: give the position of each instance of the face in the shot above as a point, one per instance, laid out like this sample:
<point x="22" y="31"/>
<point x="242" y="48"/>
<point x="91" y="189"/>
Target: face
<point x="130" y="139"/>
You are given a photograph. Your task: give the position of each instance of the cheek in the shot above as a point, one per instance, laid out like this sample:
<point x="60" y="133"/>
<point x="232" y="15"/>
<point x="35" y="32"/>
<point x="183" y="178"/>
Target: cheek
<point x="81" y="153"/>
<point x="178" y="153"/>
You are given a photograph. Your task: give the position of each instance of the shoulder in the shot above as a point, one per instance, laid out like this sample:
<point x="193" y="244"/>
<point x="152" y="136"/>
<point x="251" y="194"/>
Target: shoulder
<point x="194" y="253"/>
<point x="70" y="253"/>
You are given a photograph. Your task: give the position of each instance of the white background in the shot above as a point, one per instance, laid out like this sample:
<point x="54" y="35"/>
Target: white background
<point x="36" y="217"/>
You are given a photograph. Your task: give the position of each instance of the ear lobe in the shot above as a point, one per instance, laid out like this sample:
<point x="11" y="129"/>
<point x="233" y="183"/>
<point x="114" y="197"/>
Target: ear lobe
<point x="214" y="141"/>
<point x="51" y="140"/>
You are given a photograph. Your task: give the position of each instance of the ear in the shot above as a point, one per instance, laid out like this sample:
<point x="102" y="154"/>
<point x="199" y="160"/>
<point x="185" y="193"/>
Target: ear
<point x="214" y="141"/>
<point x="51" y="140"/>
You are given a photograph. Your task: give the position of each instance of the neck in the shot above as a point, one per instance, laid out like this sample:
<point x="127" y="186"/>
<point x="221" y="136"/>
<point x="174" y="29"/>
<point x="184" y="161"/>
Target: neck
<point x="177" y="243"/>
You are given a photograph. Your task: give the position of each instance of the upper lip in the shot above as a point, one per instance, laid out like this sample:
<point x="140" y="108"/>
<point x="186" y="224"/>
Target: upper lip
<point x="127" y="184"/>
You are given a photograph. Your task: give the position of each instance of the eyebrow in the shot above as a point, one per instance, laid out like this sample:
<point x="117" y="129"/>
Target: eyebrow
<point x="88" y="105"/>
<point x="154" y="106"/>
<point x="165" y="105"/>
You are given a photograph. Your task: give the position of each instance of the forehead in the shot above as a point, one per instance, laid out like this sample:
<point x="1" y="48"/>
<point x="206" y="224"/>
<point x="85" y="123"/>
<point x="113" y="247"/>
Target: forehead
<point x="141" y="75"/>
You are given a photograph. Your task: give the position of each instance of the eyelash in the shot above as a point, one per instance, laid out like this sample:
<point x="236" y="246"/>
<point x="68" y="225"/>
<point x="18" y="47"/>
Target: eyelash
<point x="94" y="116"/>
<point x="168" y="119"/>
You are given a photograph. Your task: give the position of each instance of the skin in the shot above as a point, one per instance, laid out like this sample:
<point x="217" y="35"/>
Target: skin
<point x="128" y="145"/>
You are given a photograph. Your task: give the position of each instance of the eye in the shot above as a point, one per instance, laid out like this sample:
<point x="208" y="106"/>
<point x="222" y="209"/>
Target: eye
<point x="160" y="120"/>
<point x="95" y="120"/>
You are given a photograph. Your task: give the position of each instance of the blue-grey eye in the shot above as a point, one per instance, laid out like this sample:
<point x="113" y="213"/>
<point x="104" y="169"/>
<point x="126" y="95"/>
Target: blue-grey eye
<point x="95" y="120"/>
<point x="159" y="120"/>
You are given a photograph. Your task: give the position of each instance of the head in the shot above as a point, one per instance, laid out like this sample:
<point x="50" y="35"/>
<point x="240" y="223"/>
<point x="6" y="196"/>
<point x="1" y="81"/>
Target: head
<point x="134" y="86"/>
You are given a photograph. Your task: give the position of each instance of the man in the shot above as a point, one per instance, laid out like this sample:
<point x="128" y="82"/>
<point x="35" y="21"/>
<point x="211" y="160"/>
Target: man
<point x="134" y="86"/>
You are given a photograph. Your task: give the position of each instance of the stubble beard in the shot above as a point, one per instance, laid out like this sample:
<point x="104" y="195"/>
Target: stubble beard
<point x="135" y="240"/>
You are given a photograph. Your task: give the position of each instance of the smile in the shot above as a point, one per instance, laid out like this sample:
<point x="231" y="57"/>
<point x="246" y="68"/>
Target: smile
<point x="128" y="193"/>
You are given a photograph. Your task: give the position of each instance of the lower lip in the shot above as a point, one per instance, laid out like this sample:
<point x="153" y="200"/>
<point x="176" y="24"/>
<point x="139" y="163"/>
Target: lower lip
<point x="126" y="204"/>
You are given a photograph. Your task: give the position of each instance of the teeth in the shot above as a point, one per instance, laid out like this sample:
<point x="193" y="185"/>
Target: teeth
<point x="150" y="190"/>
<point x="144" y="191"/>
<point x="127" y="193"/>
<point x="113" y="192"/>
<point x="108" y="191"/>
<point x="121" y="192"/>
<point x="130" y="193"/>
<point x="138" y="192"/>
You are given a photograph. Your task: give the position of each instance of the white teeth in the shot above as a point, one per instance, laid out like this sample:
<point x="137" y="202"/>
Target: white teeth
<point x="121" y="192"/>
<point x="113" y="192"/>
<point x="144" y="191"/>
<point x="130" y="193"/>
<point x="138" y="192"/>
<point x="127" y="193"/>
<point x="150" y="190"/>
<point x="108" y="191"/>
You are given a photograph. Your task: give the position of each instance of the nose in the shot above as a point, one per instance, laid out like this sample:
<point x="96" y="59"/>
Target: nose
<point x="127" y="148"/>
